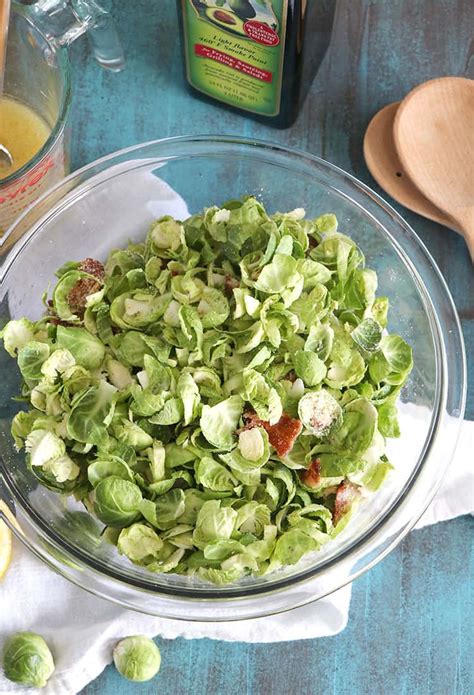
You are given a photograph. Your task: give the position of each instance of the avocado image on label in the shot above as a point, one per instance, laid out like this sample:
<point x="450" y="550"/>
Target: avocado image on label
<point x="242" y="9"/>
<point x="226" y="20"/>
<point x="224" y="17"/>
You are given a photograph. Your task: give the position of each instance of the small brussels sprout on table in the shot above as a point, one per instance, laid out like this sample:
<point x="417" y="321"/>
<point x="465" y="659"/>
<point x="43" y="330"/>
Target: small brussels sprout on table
<point x="27" y="659"/>
<point x="137" y="658"/>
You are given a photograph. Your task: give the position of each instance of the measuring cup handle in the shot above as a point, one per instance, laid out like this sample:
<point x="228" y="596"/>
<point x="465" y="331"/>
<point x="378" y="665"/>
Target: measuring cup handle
<point x="63" y="21"/>
<point x="105" y="43"/>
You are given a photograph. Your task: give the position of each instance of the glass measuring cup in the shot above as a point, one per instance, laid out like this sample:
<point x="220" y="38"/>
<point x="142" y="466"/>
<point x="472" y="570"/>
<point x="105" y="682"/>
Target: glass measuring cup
<point x="38" y="77"/>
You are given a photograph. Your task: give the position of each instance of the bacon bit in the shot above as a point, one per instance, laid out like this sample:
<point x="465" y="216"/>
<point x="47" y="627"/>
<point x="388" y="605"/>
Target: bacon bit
<point x="174" y="273"/>
<point x="312" y="476"/>
<point x="230" y="284"/>
<point x="251" y="419"/>
<point x="78" y="294"/>
<point x="291" y="376"/>
<point x="346" y="493"/>
<point x="55" y="321"/>
<point x="93" y="267"/>
<point x="282" y="435"/>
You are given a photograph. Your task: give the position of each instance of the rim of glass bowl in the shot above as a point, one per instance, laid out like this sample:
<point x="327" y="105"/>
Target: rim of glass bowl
<point x="371" y="546"/>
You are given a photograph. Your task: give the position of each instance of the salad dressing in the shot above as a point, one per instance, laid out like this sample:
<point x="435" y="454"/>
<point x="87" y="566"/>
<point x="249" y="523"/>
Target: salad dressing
<point x="22" y="132"/>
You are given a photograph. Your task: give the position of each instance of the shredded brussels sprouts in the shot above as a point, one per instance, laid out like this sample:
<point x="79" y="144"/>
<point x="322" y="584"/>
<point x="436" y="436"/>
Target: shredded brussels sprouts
<point x="218" y="395"/>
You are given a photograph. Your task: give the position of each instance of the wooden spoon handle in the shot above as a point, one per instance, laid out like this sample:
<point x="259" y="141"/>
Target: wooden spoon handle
<point x="465" y="221"/>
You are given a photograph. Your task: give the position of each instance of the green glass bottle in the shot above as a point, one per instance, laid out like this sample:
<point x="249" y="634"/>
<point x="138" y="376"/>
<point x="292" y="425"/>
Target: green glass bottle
<point x="257" y="56"/>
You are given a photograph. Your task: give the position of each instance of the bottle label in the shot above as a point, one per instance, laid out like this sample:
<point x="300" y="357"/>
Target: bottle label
<point x="235" y="49"/>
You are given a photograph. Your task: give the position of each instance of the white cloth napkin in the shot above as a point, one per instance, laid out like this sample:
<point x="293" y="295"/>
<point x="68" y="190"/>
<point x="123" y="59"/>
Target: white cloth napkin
<point x="82" y="629"/>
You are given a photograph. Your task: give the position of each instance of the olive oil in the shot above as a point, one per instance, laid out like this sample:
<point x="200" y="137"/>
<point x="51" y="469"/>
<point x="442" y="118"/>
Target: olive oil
<point x="22" y="132"/>
<point x="257" y="56"/>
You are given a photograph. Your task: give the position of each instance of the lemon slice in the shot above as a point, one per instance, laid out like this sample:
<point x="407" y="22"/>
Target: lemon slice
<point x="9" y="514"/>
<point x="6" y="538"/>
<point x="5" y="547"/>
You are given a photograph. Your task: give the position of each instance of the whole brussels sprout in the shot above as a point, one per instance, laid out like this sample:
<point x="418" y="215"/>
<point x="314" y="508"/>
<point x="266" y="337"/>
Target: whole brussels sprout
<point x="27" y="659"/>
<point x="137" y="658"/>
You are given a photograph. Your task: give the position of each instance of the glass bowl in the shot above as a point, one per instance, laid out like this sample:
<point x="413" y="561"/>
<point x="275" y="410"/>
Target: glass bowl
<point x="114" y="200"/>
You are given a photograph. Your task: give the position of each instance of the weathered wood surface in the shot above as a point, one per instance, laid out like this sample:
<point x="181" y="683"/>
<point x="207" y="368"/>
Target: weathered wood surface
<point x="411" y="618"/>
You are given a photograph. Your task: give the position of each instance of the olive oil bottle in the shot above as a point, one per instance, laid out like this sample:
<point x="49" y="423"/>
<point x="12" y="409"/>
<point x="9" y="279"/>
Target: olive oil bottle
<point x="257" y="56"/>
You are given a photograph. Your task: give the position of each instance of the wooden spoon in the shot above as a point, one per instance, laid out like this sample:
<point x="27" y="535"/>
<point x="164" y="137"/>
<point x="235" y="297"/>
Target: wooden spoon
<point x="434" y="138"/>
<point x="382" y="160"/>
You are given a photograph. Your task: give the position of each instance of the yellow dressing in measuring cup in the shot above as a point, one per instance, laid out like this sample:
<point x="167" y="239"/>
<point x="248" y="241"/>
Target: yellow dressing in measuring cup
<point x="35" y="123"/>
<point x="22" y="132"/>
<point x="25" y="133"/>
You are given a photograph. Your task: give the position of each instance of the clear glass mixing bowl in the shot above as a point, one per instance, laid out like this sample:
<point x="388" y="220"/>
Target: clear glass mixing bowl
<point x="115" y="199"/>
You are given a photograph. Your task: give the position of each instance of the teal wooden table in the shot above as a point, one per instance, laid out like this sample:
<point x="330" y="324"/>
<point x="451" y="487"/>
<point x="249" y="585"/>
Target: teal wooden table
<point x="410" y="628"/>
